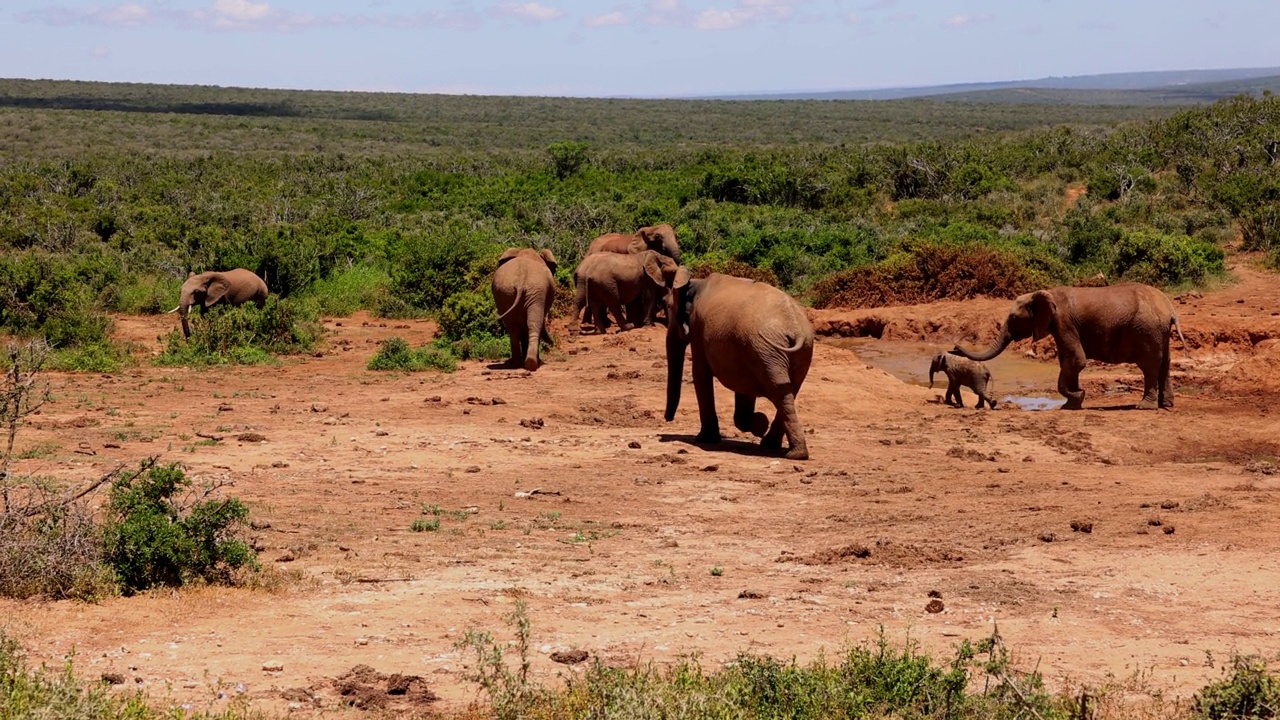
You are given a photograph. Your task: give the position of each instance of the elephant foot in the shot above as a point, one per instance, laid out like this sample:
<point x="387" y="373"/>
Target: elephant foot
<point x="798" y="454"/>
<point x="531" y="364"/>
<point x="1146" y="404"/>
<point x="625" y="327"/>
<point x="707" y="438"/>
<point x="771" y="443"/>
<point x="759" y="424"/>
<point x="1166" y="404"/>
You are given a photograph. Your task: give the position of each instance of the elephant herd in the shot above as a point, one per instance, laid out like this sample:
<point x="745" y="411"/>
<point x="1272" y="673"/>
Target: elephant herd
<point x="757" y="340"/>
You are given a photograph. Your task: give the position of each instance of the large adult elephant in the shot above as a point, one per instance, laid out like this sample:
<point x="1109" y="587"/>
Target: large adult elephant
<point x="524" y="287"/>
<point x="1127" y="323"/>
<point x="658" y="238"/>
<point x="752" y="337"/>
<point x="608" y="281"/>
<point x="230" y="287"/>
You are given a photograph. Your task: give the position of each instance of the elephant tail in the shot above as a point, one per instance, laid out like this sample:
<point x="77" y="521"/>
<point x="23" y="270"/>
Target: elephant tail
<point x="514" y="304"/>
<point x="1173" y="322"/>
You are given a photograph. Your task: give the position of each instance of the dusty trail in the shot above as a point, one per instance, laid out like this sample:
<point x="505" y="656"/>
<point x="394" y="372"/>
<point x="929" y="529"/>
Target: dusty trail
<point x="976" y="505"/>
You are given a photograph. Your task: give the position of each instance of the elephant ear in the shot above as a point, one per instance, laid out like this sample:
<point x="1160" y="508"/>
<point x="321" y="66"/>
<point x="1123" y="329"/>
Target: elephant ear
<point x="683" y="276"/>
<point x="217" y="287"/>
<point x="637" y="246"/>
<point x="1044" y="311"/>
<point x="549" y="258"/>
<point x="653" y="268"/>
<point x="508" y="254"/>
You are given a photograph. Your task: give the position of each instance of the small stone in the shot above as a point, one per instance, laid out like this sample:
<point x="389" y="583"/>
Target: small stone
<point x="472" y="469"/>
<point x="751" y="595"/>
<point x="1168" y="529"/>
<point x="224" y="407"/>
<point x="251" y="437"/>
<point x="319" y="408"/>
<point x="362" y="641"/>
<point x="273" y="666"/>
<point x="634" y="445"/>
<point x="113" y="678"/>
<point x="1048" y="537"/>
<point x="935" y="606"/>
<point x="569" y="657"/>
<point x="935" y="594"/>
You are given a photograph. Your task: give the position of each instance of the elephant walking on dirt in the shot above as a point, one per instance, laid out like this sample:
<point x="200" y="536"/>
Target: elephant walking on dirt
<point x="752" y="337"/>
<point x="1127" y="323"/>
<point x="231" y="287"/>
<point x="962" y="372"/>
<point x="524" y="288"/>
<point x="608" y="281"/>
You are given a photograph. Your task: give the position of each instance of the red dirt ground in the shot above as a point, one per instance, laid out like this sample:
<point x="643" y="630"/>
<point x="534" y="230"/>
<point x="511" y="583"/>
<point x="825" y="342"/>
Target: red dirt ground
<point x="615" y="555"/>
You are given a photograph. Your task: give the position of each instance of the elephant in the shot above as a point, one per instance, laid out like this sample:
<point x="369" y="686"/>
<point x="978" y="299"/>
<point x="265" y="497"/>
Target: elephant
<point x="752" y="337"/>
<point x="960" y="373"/>
<point x="524" y="287"/>
<point x="608" y="281"/>
<point x="658" y="238"/>
<point x="1130" y="322"/>
<point x="231" y="287"/>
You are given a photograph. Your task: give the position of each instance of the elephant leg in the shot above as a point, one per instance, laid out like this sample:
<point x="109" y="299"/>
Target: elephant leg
<point x="516" y="352"/>
<point x="745" y="417"/>
<point x="787" y="422"/>
<point x="533" y="340"/>
<point x="1150" y="387"/>
<point x="704" y="388"/>
<point x="598" y="314"/>
<point x="953" y="392"/>
<point x="979" y="388"/>
<point x="1166" y="384"/>
<point x="1069" y="380"/>
<point x="623" y="324"/>
<point x="579" y="305"/>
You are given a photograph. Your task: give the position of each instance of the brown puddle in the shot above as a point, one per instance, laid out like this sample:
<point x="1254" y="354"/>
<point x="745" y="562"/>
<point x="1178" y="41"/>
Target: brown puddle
<point x="1019" y="380"/>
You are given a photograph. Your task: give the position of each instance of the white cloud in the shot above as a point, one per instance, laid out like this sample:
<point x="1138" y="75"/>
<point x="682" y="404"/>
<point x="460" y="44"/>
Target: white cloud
<point x="614" y="18"/>
<point x="666" y="12"/>
<point x="963" y="21"/>
<point x="102" y="51"/>
<point x="532" y="11"/>
<point x="745" y="13"/>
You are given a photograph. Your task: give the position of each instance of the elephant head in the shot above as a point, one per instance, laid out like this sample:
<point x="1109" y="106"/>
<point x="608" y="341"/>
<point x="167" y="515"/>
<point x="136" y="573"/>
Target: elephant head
<point x="660" y="239"/>
<point x="938" y="365"/>
<point x="202" y="290"/>
<point x="547" y="257"/>
<point x="679" y="305"/>
<point x="1033" y="315"/>
<point x="661" y="269"/>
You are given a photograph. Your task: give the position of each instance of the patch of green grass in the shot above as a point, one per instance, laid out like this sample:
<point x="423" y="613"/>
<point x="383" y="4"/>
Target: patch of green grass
<point x="344" y="292"/>
<point x="395" y="354"/>
<point x="425" y="524"/>
<point x="437" y="511"/>
<point x="97" y="357"/>
<point x="39" y="450"/>
<point x="717" y="571"/>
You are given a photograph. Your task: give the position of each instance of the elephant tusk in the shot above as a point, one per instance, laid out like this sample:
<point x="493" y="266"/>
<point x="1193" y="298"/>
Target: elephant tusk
<point x="174" y="310"/>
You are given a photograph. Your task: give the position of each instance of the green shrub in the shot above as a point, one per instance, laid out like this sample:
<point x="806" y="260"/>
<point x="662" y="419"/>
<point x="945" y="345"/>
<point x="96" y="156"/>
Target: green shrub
<point x="1089" y="237"/>
<point x="568" y="158"/>
<point x="245" y="335"/>
<point x="56" y="296"/>
<point x="1251" y="691"/>
<point x="144" y="295"/>
<point x="469" y="314"/>
<point x="351" y="289"/>
<point x="479" y="347"/>
<point x="395" y="354"/>
<point x="428" y="268"/>
<point x="153" y="537"/>
<point x="99" y="357"/>
<point x="1161" y="259"/>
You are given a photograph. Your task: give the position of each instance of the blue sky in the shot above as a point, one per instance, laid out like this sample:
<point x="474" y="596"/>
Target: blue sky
<point x="631" y="48"/>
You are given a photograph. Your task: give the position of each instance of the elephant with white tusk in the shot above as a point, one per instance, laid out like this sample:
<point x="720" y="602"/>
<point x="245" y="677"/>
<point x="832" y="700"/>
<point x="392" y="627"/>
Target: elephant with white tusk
<point x="230" y="287"/>
<point x="1127" y="323"/>
<point x="962" y="372"/>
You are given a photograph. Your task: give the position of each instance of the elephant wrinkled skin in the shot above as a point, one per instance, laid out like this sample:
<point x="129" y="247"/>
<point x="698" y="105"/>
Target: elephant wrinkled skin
<point x="609" y="281"/>
<point x="962" y="372"/>
<point x="755" y="339"/>
<point x="1127" y="323"/>
<point x="524" y="288"/>
<point x="231" y="287"/>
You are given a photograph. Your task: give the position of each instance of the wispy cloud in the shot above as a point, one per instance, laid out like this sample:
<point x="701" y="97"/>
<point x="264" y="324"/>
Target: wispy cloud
<point x="744" y="13"/>
<point x="101" y="52"/>
<point x="964" y="21"/>
<point x="666" y="12"/>
<point x="529" y="12"/>
<point x="1216" y="21"/>
<point x="617" y="17"/>
<point x="262" y="16"/>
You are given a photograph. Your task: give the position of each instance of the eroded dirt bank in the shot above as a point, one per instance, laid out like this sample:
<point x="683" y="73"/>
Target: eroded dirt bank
<point x="903" y="496"/>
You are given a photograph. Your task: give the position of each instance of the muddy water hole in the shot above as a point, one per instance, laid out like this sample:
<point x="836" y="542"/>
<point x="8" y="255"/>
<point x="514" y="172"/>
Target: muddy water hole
<point x="1104" y="544"/>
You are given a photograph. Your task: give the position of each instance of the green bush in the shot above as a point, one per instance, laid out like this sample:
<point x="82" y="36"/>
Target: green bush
<point x="428" y="268"/>
<point x="56" y="296"/>
<point x="568" y="158"/>
<point x="245" y="335"/>
<point x="395" y="354"/>
<point x="152" y="537"/>
<point x="1250" y="692"/>
<point x="470" y="313"/>
<point x="1161" y="259"/>
<point x="349" y="290"/>
<point x="99" y="357"/>
<point x="479" y="347"/>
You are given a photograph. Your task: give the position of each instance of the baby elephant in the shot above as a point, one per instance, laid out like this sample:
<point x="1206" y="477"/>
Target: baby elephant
<point x="962" y="372"/>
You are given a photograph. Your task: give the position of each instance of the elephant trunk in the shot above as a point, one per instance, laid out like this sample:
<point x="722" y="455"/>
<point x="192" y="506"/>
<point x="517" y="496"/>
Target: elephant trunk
<point x="933" y="369"/>
<point x="996" y="348"/>
<point x="675" y="368"/>
<point x="183" y="310"/>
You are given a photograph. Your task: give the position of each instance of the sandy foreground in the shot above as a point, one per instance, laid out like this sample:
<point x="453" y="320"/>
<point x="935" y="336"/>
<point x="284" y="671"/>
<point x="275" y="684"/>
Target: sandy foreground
<point x="615" y="552"/>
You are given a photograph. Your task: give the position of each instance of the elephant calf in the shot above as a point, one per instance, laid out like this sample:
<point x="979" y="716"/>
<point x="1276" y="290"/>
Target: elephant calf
<point x="524" y="287"/>
<point x="232" y="287"/>
<point x="609" y="281"/>
<point x="962" y="372"/>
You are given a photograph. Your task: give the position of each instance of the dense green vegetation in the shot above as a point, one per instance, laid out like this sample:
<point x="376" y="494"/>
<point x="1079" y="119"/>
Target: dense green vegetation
<point x="399" y="204"/>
